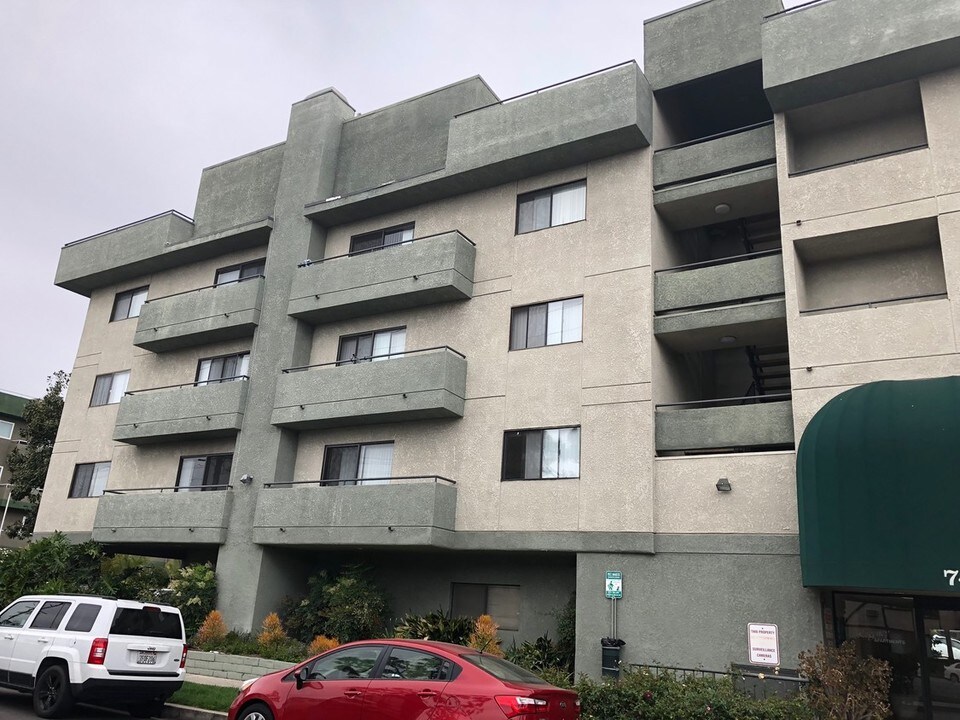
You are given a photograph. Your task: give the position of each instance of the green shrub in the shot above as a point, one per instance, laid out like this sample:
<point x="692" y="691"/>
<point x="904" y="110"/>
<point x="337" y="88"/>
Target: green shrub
<point x="640" y="694"/>
<point x="567" y="633"/>
<point x="134" y="578"/>
<point x="435" y="626"/>
<point x="51" y="565"/>
<point x="536" y="655"/>
<point x="193" y="589"/>
<point x="306" y="617"/>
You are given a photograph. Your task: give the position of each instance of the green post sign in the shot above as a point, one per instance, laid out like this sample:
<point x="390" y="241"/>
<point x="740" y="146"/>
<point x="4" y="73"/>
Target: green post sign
<point x="613" y="585"/>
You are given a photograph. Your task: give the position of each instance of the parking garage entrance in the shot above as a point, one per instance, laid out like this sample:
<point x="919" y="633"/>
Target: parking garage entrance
<point x="918" y="636"/>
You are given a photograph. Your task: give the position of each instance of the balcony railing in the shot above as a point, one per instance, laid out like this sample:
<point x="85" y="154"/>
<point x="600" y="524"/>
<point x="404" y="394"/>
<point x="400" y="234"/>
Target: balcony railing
<point x="740" y="424"/>
<point x="206" y="409"/>
<point x="713" y="283"/>
<point x="351" y="482"/>
<point x="715" y="155"/>
<point x="415" y="385"/>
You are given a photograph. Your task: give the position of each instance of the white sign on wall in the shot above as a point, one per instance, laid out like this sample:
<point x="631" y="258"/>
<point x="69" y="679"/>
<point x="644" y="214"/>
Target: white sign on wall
<point x="763" y="640"/>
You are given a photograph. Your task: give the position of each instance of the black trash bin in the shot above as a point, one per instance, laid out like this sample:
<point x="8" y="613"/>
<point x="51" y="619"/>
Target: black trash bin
<point x="610" y="656"/>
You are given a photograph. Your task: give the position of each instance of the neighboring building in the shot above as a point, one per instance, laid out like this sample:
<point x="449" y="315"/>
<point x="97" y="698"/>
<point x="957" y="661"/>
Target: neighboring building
<point x="11" y="422"/>
<point x="605" y="314"/>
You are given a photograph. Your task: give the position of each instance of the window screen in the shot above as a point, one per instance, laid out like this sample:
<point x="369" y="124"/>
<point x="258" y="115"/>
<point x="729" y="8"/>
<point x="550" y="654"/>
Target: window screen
<point x="553" y="206"/>
<point x="501" y="602"/>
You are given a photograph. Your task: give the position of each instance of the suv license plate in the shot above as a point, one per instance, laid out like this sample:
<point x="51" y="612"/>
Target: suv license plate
<point x="146" y="658"/>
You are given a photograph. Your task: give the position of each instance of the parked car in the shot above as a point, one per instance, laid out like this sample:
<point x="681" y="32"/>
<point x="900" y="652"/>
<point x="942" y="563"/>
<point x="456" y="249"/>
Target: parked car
<point x="403" y="680"/>
<point x="952" y="672"/>
<point x="64" y="648"/>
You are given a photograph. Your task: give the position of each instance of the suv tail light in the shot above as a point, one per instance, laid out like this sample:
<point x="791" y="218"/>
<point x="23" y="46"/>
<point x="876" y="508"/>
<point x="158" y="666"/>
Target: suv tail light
<point x="98" y="652"/>
<point x="183" y="658"/>
<point x="517" y="705"/>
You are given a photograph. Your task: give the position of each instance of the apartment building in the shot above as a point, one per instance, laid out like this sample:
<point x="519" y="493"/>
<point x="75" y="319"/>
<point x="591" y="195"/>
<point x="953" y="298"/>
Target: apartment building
<point x="11" y="423"/>
<point x="499" y="348"/>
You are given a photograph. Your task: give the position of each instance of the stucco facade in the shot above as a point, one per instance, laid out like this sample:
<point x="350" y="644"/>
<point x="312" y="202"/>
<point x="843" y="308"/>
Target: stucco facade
<point x="741" y="259"/>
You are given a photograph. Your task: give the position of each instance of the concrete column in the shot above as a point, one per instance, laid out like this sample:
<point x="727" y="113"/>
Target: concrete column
<point x="251" y="583"/>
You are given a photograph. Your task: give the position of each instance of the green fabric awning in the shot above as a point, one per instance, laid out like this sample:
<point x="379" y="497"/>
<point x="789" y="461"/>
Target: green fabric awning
<point x="878" y="488"/>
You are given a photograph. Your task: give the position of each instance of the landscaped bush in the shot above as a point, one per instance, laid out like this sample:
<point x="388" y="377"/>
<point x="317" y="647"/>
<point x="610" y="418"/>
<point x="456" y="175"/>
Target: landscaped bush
<point x="194" y="590"/>
<point x="484" y="636"/>
<point x="537" y="655"/>
<point x="212" y="632"/>
<point x="51" y="565"/>
<point x="640" y="694"/>
<point x="322" y="643"/>
<point x="845" y="686"/>
<point x="435" y="626"/>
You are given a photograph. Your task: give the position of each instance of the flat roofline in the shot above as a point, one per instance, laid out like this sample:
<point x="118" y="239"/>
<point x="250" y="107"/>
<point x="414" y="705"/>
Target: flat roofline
<point x="245" y="155"/>
<point x="795" y="8"/>
<point x="707" y="2"/>
<point x="176" y="213"/>
<point x="423" y="95"/>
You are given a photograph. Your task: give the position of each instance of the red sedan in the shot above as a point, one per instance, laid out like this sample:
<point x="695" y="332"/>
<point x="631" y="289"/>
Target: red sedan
<point x="403" y="680"/>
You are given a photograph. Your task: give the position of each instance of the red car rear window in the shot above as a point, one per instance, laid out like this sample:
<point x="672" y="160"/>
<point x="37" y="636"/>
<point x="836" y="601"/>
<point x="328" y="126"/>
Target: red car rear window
<point x="503" y="669"/>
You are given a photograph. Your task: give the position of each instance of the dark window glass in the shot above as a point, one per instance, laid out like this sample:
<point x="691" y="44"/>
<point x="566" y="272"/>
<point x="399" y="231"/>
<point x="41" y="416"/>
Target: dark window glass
<point x="503" y="669"/>
<point x="225" y="368"/>
<point x="366" y="464"/>
<point x="469" y="600"/>
<point x="146" y="622"/>
<point x="535" y="454"/>
<point x="243" y="271"/>
<point x="553" y="206"/>
<point x="204" y="472"/>
<point x="404" y="664"/>
<point x="16" y="615"/>
<point x="83" y="618"/>
<point x="380" y="239"/>
<point x="552" y="323"/>
<point x="372" y="346"/>
<point x="351" y="664"/>
<point x="127" y="304"/>
<point x="501" y="602"/>
<point x="50" y="615"/>
<point x="89" y="479"/>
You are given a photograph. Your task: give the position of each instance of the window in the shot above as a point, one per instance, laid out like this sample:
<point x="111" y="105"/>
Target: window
<point x="109" y="389"/>
<point x="243" y="271"/>
<point x="83" y="618"/>
<point x="536" y="454"/>
<point x="501" y="602"/>
<point x="225" y="368"/>
<point x="89" y="479"/>
<point x="17" y="614"/>
<point x="552" y="323"/>
<point x="6" y="430"/>
<point x="379" y="345"/>
<point x="204" y="472"/>
<point x="348" y="664"/>
<point x="554" y="206"/>
<point x="381" y="239"/>
<point x="405" y="664"/>
<point x="128" y="303"/>
<point x="368" y="464"/>
<point x="147" y="622"/>
<point x="50" y="615"/>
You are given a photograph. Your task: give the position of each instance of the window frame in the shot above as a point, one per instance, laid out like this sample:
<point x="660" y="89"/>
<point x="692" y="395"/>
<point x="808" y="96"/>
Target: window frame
<point x="13" y="428"/>
<point x="113" y="378"/>
<point x="503" y="454"/>
<point x="447" y="670"/>
<point x="240" y="267"/>
<point x="373" y="338"/>
<point x="546" y="334"/>
<point x="71" y="494"/>
<point x="354" y="480"/>
<point x="372" y="673"/>
<point x="549" y="192"/>
<point x="382" y="233"/>
<point x="203" y="487"/>
<point x="239" y="355"/>
<point x="486" y="599"/>
<point x="128" y="295"/>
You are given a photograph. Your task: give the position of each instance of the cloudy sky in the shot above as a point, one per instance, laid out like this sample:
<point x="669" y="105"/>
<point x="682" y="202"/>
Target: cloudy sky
<point x="111" y="108"/>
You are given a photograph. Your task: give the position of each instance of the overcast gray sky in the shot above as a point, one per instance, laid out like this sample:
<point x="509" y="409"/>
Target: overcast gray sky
<point x="111" y="108"/>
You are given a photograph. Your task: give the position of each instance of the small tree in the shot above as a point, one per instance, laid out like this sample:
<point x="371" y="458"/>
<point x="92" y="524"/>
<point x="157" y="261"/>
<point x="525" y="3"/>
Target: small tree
<point x="845" y="686"/>
<point x="272" y="634"/>
<point x="322" y="643"/>
<point x="484" y="636"/>
<point x="212" y="632"/>
<point x="28" y="464"/>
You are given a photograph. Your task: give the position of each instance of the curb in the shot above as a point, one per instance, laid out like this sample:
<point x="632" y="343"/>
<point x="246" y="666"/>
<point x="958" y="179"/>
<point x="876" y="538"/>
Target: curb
<point x="182" y="712"/>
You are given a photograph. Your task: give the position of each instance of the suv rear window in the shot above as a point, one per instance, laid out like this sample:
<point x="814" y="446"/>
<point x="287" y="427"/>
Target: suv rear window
<point x="503" y="670"/>
<point x="83" y="618"/>
<point x="146" y="623"/>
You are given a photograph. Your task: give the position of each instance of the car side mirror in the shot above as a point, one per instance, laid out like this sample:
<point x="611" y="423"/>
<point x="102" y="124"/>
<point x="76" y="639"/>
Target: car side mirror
<point x="301" y="676"/>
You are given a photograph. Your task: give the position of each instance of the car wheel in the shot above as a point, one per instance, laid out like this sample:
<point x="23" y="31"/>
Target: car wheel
<point x="257" y="711"/>
<point x="954" y="677"/>
<point x="51" y="694"/>
<point x="147" y="710"/>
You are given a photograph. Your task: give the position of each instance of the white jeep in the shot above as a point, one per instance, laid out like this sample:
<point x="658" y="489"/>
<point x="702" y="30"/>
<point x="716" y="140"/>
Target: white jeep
<point x="63" y="648"/>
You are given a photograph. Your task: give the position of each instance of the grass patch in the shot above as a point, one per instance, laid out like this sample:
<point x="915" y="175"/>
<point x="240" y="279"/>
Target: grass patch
<point x="208" y="697"/>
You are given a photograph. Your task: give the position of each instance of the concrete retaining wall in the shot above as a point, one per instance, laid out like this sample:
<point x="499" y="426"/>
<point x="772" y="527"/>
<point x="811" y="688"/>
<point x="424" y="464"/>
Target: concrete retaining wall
<point x="232" y="667"/>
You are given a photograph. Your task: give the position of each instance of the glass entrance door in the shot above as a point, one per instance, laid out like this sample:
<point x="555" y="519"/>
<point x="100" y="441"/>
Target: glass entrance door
<point x="941" y="643"/>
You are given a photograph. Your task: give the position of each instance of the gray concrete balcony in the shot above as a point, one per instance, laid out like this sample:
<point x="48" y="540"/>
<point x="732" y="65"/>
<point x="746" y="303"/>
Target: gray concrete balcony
<point x="855" y="48"/>
<point x="696" y="305"/>
<point x="740" y="149"/>
<point x="425" y="271"/>
<point x="206" y="315"/>
<point x="387" y="512"/>
<point x="163" y="516"/>
<point x="420" y="385"/>
<point x="746" y="424"/>
<point x="158" y="243"/>
<point x="181" y="412"/>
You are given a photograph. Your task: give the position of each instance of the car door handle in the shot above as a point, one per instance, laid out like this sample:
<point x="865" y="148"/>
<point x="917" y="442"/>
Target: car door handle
<point x="427" y="694"/>
<point x="8" y="637"/>
<point x="353" y="693"/>
<point x="43" y="640"/>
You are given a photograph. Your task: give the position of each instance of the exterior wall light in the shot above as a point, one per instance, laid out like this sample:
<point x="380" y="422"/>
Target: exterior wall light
<point x="723" y="485"/>
<point x="246" y="479"/>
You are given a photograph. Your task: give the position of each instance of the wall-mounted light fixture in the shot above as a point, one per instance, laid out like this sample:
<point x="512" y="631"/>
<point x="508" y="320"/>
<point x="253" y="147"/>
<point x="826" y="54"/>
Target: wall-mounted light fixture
<point x="723" y="485"/>
<point x="246" y="479"/>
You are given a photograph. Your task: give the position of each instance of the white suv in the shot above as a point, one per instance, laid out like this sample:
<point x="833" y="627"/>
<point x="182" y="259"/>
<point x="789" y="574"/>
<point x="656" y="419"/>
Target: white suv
<point x="64" y="648"/>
